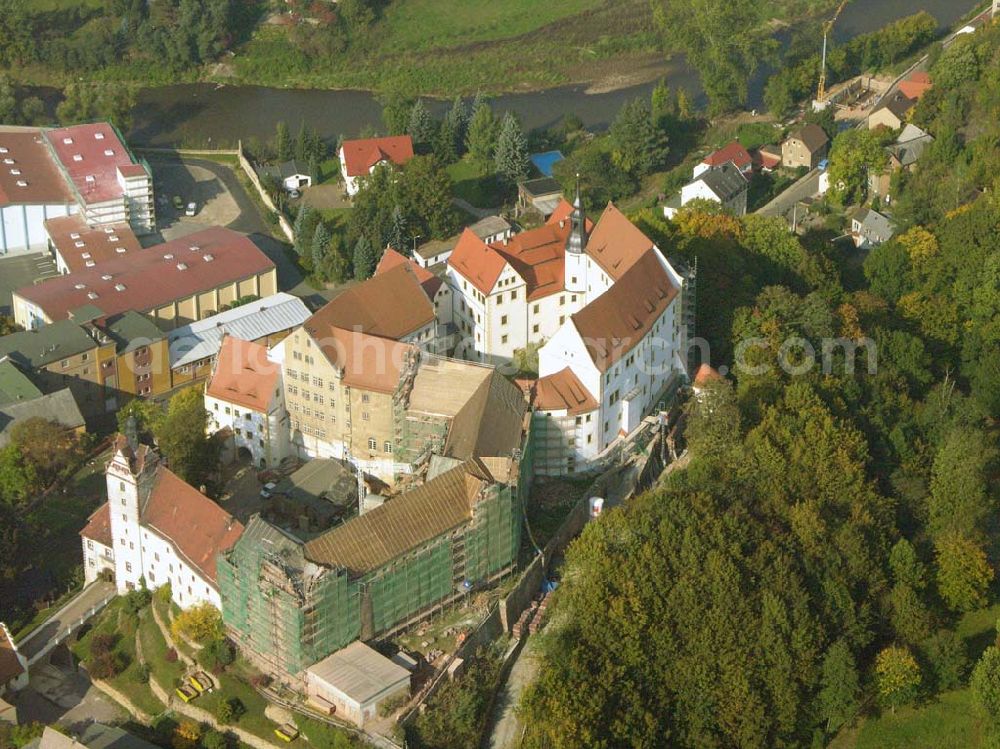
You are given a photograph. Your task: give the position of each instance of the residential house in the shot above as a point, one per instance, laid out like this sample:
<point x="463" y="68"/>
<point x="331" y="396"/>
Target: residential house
<point x="891" y="112"/>
<point x="291" y="175"/>
<point x="916" y="84"/>
<point x="173" y="284"/>
<point x="245" y="396"/>
<point x="94" y="736"/>
<point x="194" y="347"/>
<point x="13" y="665"/>
<point x="767" y="158"/>
<point x="724" y="184"/>
<point x="806" y="147"/>
<point x="58" y="407"/>
<point x="489" y="229"/>
<point x="359" y="158"/>
<point x="354" y="682"/>
<point x="98" y="545"/>
<point x="436" y="290"/>
<point x="902" y="155"/>
<point x="162" y="529"/>
<point x="732" y="153"/>
<point x="870" y="228"/>
<point x="542" y="195"/>
<point x="15" y="387"/>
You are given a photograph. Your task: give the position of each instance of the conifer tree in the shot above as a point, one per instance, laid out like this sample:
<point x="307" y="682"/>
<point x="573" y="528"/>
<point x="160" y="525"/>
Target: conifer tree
<point x="512" y="150"/>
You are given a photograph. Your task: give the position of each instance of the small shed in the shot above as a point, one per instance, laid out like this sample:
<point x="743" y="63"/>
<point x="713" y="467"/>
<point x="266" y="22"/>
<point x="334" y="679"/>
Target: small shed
<point x="291" y="174"/>
<point x="356" y="680"/>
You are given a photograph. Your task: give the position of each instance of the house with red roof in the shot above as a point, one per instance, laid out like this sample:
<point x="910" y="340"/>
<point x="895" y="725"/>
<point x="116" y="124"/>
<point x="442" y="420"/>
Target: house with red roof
<point x="245" y="396"/>
<point x="732" y="153"/>
<point x="98" y="545"/>
<point x="916" y="84"/>
<point x="161" y="529"/>
<point x="359" y="158"/>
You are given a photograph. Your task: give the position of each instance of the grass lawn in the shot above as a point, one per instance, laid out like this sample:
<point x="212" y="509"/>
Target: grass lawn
<point x="116" y="622"/>
<point x="154" y="649"/>
<point x="470" y="186"/>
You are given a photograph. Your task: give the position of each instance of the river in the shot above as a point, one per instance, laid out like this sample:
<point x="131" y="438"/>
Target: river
<point x="205" y="114"/>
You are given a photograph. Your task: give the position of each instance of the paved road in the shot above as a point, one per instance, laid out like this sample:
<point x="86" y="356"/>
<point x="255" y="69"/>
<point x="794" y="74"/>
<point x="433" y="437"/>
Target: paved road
<point x="65" y="696"/>
<point x="68" y="615"/>
<point x="784" y="204"/>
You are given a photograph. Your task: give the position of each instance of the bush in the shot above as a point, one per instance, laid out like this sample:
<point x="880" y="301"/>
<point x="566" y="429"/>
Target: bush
<point x="101" y="645"/>
<point x="142" y="673"/>
<point x="171" y="656"/>
<point x="230" y="710"/>
<point x="213" y="739"/>
<point x="260" y="681"/>
<point x="135" y="601"/>
<point x="163" y="593"/>
<point x="106" y="665"/>
<point x="946" y="658"/>
<point x="216" y="655"/>
<point x="202" y="623"/>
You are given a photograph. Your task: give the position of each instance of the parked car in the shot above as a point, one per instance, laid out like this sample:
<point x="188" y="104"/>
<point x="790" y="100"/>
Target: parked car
<point x="268" y="488"/>
<point x="293" y="193"/>
<point x="192" y="208"/>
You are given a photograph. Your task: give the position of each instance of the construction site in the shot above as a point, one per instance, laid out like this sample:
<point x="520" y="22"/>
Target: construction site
<point x="447" y="530"/>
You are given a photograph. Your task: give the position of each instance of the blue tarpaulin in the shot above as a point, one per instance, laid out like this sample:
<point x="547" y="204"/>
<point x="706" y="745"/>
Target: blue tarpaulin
<point x="545" y="161"/>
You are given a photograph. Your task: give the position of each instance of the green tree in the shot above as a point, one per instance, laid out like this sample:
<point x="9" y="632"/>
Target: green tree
<point x="284" y="148"/>
<point x="910" y="618"/>
<point x="946" y="654"/>
<point x="838" y="696"/>
<point x="481" y="137"/>
<point x="320" y="244"/>
<point x="397" y="232"/>
<point x="396" y="110"/>
<point x="985" y="685"/>
<point x="512" y="150"/>
<point x="365" y="259"/>
<point x="963" y="573"/>
<point x="960" y="501"/>
<point x="8" y="101"/>
<point x="17" y="477"/>
<point x="897" y="676"/>
<point x="907" y="569"/>
<point x="303" y="228"/>
<point x="182" y="438"/>
<point x="46" y="447"/>
<point x="854" y="155"/>
<point x="422" y="127"/>
<point x="637" y="144"/>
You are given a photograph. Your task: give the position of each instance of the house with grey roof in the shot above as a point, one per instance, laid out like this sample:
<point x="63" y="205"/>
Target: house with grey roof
<point x="489" y="229"/>
<point x="870" y="228"/>
<point x="903" y="154"/>
<point x="291" y="175"/>
<point x="59" y="407"/>
<point x="723" y="184"/>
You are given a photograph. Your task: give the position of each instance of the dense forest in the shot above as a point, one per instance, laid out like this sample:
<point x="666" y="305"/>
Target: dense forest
<point x="814" y="560"/>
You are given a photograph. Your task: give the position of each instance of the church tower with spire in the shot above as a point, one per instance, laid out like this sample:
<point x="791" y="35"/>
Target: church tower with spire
<point x="576" y="245"/>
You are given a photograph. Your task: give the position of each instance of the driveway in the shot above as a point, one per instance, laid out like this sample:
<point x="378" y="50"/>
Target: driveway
<point x="806" y="187"/>
<point x="66" y="696"/>
<point x="68" y="616"/>
<point x="507" y="727"/>
<point x="22" y="270"/>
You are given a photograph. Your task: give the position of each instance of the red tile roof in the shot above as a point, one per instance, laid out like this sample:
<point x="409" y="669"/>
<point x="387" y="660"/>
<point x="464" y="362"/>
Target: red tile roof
<point x="244" y="375"/>
<point x="366" y="361"/>
<point x="391" y="304"/>
<point x="477" y="261"/>
<point x="615" y="322"/>
<point x="616" y="244"/>
<point x="562" y="212"/>
<point x="916" y="85"/>
<point x="24" y="157"/>
<point x="148" y="279"/>
<point x="197" y="526"/>
<point x="91" y="155"/>
<point x="539" y="257"/>
<point x="79" y="244"/>
<point x="98" y="527"/>
<point x="563" y="391"/>
<point x="392" y="259"/>
<point x="361" y="155"/>
<point x="706" y="374"/>
<point x="733" y="152"/>
<point x="10" y="666"/>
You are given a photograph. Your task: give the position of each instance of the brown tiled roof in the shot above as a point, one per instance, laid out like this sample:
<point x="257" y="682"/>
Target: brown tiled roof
<point x="616" y="244"/>
<point x="407" y="522"/>
<point x="83" y="247"/>
<point x="813" y="137"/>
<point x="155" y="276"/>
<point x="367" y="361"/>
<point x="10" y="666"/>
<point x="733" y="152"/>
<point x="490" y="423"/>
<point x="361" y="155"/>
<point x="197" y="526"/>
<point x="98" y="527"/>
<point x="916" y="85"/>
<point x="392" y="305"/>
<point x="244" y="375"/>
<point x="392" y="259"/>
<point x="706" y="374"/>
<point x="539" y="257"/>
<point x="23" y="150"/>
<point x="563" y="391"/>
<point x="477" y="261"/>
<point x="616" y="321"/>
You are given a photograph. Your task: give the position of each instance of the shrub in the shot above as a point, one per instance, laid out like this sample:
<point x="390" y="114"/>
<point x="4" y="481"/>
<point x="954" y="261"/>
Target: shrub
<point x="947" y="659"/>
<point x="101" y="645"/>
<point x="106" y="665"/>
<point x="186" y="735"/>
<point x="135" y="601"/>
<point x="213" y="739"/>
<point x="230" y="710"/>
<point x="260" y="681"/>
<point x="202" y="623"/>
<point x="216" y="655"/>
<point x="171" y="656"/>
<point x="142" y="673"/>
<point x="163" y="593"/>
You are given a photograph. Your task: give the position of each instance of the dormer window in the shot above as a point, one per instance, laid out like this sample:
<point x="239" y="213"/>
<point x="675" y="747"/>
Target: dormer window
<point x="98" y="136"/>
<point x="90" y="264"/>
<point x="8" y="161"/>
<point x="90" y="178"/>
<point x="22" y="183"/>
<point x="74" y="235"/>
<point x="77" y="157"/>
<point x="120" y="250"/>
<point x="67" y="141"/>
<point x="80" y="244"/>
<point x="109" y="152"/>
<point x="16" y="172"/>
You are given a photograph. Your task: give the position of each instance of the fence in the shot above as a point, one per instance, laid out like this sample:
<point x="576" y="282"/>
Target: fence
<point x="247" y="167"/>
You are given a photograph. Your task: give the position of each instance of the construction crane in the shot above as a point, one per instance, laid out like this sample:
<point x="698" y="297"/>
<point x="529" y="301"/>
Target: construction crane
<point x="827" y="28"/>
